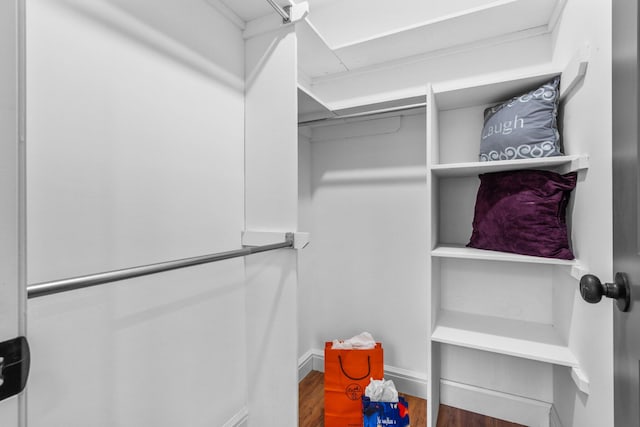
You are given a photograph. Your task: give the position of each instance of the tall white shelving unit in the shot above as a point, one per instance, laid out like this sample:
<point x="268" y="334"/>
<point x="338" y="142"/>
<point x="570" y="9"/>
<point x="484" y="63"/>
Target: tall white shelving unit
<point x="486" y="300"/>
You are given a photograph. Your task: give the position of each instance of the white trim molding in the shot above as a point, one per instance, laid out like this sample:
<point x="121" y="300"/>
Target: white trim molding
<point x="508" y="407"/>
<point x="409" y="382"/>
<point x="312" y="360"/>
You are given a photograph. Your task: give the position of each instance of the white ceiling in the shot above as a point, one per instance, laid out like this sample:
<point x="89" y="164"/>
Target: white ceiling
<point x="348" y="21"/>
<point x="375" y="41"/>
<point x="248" y="10"/>
<point x="344" y="35"/>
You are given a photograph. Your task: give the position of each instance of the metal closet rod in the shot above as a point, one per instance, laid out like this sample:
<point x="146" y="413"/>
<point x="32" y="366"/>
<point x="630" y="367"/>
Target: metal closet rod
<point x="64" y="285"/>
<point x="281" y="11"/>
<point x="364" y="114"/>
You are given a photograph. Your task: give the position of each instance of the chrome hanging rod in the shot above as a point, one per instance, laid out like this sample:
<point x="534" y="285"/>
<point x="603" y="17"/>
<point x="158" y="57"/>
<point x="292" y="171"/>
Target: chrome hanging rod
<point x="281" y="11"/>
<point x="364" y="114"/>
<point x="64" y="285"/>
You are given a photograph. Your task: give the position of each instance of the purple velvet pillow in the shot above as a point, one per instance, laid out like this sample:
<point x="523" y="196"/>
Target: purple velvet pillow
<point x="523" y="212"/>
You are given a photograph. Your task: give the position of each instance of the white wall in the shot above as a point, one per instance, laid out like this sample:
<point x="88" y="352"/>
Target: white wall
<point x="365" y="269"/>
<point x="135" y="155"/>
<point x="587" y="129"/>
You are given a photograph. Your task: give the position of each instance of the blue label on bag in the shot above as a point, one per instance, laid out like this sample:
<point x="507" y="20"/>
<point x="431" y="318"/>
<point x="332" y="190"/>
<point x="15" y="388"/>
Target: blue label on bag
<point x="383" y="414"/>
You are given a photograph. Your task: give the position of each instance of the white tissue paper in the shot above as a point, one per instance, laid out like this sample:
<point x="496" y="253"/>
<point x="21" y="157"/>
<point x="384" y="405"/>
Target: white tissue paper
<point x="363" y="341"/>
<point x="381" y="391"/>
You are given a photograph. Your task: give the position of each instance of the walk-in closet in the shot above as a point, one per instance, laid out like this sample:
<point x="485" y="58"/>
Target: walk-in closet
<point x="199" y="194"/>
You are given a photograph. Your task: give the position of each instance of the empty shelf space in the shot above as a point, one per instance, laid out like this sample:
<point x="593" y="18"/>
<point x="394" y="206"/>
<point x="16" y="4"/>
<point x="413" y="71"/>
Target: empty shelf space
<point x="462" y="252"/>
<point x="563" y="164"/>
<point x="473" y="92"/>
<point x="529" y="340"/>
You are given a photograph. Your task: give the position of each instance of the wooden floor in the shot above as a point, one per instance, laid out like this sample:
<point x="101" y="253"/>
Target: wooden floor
<point x="311" y="409"/>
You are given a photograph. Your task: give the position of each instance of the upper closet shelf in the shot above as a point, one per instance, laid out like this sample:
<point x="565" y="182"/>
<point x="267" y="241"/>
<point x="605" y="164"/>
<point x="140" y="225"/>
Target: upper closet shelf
<point x="562" y="164"/>
<point x="496" y="88"/>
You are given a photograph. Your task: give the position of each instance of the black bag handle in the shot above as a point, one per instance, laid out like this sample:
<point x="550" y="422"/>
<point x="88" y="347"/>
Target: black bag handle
<point x="349" y="376"/>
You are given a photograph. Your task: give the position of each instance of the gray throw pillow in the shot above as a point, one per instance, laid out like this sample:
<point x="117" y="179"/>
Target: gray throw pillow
<point x="523" y="127"/>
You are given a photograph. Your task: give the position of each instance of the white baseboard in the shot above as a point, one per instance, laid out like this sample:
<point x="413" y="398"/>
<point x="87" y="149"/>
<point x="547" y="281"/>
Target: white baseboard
<point x="312" y="360"/>
<point x="305" y="366"/>
<point x="410" y="382"/>
<point x="238" y="420"/>
<point x="508" y="407"/>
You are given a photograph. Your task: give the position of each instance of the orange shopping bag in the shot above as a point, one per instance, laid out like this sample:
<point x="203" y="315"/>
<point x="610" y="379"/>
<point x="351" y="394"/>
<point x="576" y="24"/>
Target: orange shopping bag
<point x="346" y="375"/>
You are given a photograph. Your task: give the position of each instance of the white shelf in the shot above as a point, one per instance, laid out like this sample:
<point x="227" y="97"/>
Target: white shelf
<point x="533" y="341"/>
<point x="462" y="252"/>
<point x="490" y="90"/>
<point x="564" y="163"/>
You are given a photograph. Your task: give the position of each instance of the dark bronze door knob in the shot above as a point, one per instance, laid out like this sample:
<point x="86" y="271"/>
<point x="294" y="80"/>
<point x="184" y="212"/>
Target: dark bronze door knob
<point x="592" y="290"/>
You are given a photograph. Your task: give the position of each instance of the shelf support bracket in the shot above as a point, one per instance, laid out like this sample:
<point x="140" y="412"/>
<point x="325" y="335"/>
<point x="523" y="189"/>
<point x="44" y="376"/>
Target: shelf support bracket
<point x="580" y="378"/>
<point x="263" y="237"/>
<point x="574" y="73"/>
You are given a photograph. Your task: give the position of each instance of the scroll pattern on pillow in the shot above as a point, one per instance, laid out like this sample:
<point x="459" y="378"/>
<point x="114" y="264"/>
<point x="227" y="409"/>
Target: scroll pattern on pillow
<point x="523" y="127"/>
<point x="523" y="212"/>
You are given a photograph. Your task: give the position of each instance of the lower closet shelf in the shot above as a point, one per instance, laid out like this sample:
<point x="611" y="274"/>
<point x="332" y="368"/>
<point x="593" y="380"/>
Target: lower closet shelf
<point x="529" y="340"/>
